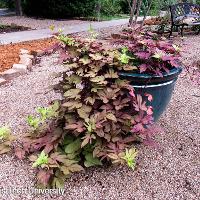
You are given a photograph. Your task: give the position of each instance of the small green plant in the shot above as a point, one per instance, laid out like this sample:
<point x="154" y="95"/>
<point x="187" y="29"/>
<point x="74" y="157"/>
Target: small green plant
<point x="5" y="139"/>
<point x="92" y="32"/>
<point x="125" y="58"/>
<point x="49" y="112"/>
<point x="41" y="160"/>
<point x="45" y="114"/>
<point x="129" y="157"/>
<point x="33" y="122"/>
<point x="4" y="133"/>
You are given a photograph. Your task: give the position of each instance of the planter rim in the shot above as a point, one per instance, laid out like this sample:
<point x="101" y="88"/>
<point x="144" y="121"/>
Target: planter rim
<point x="172" y="72"/>
<point x="155" y="85"/>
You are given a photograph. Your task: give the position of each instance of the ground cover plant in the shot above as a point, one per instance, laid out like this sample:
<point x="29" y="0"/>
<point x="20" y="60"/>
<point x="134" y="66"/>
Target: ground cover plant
<point x="93" y="122"/>
<point x="12" y="28"/>
<point x="99" y="116"/>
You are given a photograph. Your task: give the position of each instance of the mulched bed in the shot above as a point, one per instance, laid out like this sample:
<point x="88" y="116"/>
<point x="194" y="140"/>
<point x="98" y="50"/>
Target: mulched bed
<point x="10" y="53"/>
<point x="156" y="21"/>
<point x="12" y="28"/>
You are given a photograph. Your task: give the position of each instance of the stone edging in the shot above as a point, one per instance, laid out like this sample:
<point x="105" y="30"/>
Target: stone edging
<point x="27" y="60"/>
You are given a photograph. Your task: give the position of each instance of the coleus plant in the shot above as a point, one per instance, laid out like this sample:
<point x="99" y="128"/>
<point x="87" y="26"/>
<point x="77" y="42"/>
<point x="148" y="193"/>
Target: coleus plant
<point x="148" y="52"/>
<point x="96" y="121"/>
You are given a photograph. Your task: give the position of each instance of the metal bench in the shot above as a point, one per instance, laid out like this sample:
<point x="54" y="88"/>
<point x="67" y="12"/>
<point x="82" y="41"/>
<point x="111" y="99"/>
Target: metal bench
<point x="182" y="11"/>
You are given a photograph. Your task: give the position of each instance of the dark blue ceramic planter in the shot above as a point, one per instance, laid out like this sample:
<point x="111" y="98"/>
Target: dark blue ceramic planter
<point x="161" y="88"/>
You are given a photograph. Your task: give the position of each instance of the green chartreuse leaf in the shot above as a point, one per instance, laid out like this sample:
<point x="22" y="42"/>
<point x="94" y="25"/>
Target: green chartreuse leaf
<point x="111" y="117"/>
<point x="111" y="74"/>
<point x="72" y="105"/>
<point x="124" y="59"/>
<point x="130" y="156"/>
<point x="4" y="132"/>
<point x="34" y="122"/>
<point x="85" y="60"/>
<point x="68" y="139"/>
<point x="84" y="111"/>
<point x="73" y="93"/>
<point x="91" y="161"/>
<point x="74" y="79"/>
<point x="73" y="147"/>
<point x="58" y="183"/>
<point x="99" y="80"/>
<point x="42" y="159"/>
<point x="96" y="56"/>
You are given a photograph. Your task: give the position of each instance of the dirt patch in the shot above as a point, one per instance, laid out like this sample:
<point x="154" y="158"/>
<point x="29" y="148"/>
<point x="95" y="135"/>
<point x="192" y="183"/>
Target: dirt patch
<point x="12" y="28"/>
<point x="10" y="53"/>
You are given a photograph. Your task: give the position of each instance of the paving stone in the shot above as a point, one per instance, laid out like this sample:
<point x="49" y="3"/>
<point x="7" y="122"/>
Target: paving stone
<point x="26" y="56"/>
<point x="12" y="73"/>
<point x="26" y="61"/>
<point x="39" y="53"/>
<point x="2" y="81"/>
<point x="20" y="67"/>
<point x="24" y="51"/>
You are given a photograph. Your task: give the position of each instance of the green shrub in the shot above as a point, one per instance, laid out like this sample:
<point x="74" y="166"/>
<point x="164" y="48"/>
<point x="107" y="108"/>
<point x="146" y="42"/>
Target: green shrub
<point x="3" y="3"/>
<point x="59" y="8"/>
<point x="111" y="7"/>
<point x="97" y="120"/>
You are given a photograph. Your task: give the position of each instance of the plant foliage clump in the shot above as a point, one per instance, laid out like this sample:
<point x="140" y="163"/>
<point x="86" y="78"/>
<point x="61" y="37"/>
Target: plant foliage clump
<point x="97" y="120"/>
<point x="148" y="52"/>
<point x="5" y="139"/>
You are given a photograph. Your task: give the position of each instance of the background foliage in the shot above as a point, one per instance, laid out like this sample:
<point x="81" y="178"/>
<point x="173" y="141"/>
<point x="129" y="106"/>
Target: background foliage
<point x="59" y="8"/>
<point x="84" y="8"/>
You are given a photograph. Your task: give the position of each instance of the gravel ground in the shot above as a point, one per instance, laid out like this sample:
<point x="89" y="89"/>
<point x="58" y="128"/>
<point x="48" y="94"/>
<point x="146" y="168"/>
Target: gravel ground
<point x="170" y="173"/>
<point x="37" y="23"/>
<point x="103" y="33"/>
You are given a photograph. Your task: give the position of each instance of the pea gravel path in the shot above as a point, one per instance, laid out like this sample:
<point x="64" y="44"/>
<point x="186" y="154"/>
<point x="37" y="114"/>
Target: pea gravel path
<point x="170" y="173"/>
<point x="35" y="23"/>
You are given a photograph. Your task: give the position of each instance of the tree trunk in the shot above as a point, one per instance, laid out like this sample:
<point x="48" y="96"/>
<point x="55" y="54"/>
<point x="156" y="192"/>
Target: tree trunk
<point x="18" y="7"/>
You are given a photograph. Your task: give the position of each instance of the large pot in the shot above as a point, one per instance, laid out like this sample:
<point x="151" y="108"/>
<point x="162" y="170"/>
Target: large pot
<point x="161" y="88"/>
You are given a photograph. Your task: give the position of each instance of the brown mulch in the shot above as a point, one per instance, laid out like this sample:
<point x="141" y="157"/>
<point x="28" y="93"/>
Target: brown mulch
<point x="10" y="53"/>
<point x="156" y="21"/>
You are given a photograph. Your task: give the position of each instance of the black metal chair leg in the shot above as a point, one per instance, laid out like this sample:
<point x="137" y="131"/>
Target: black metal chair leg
<point x="198" y="31"/>
<point x="182" y="27"/>
<point x="171" y="31"/>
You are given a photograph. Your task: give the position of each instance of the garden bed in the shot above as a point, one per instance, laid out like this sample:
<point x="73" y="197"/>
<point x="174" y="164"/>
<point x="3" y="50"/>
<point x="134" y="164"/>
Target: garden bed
<point x="10" y="53"/>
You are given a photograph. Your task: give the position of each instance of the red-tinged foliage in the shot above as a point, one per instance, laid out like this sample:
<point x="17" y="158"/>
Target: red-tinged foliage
<point x="20" y="153"/>
<point x="44" y="176"/>
<point x="99" y="116"/>
<point x="150" y="53"/>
